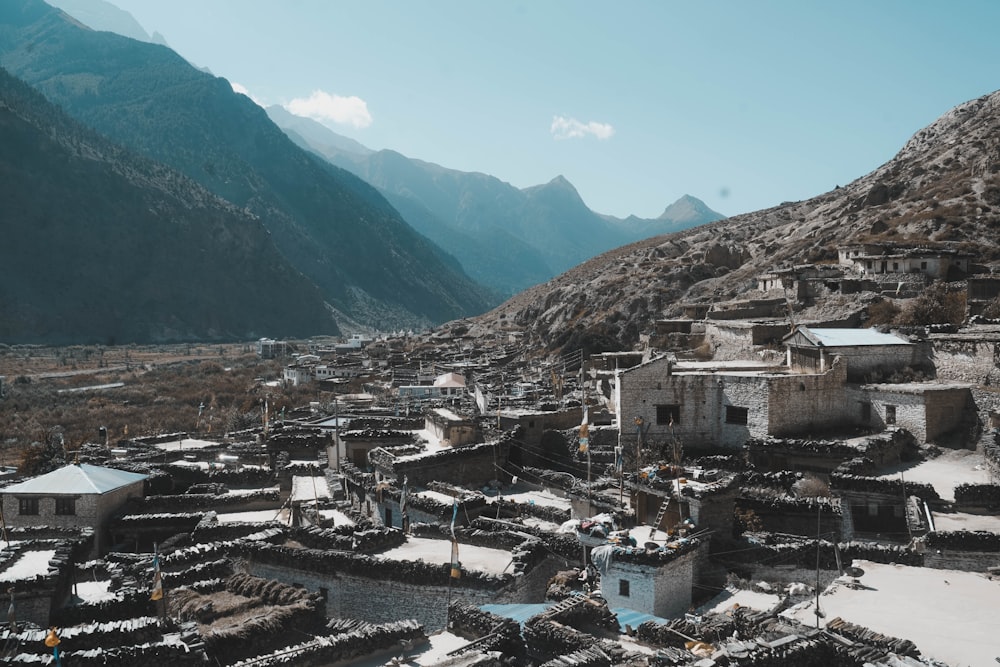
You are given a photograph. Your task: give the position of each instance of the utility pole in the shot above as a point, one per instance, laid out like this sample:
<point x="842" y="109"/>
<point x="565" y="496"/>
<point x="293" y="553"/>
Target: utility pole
<point x="638" y="463"/>
<point x="819" y="527"/>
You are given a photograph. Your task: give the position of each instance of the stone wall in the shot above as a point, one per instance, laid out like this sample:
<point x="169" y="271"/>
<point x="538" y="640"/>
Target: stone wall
<point x="380" y="600"/>
<point x="965" y="358"/>
<point x="962" y="550"/>
<point x="807" y="404"/>
<point x="626" y="583"/>
<point x="471" y="465"/>
<point x="701" y="401"/>
<point x="967" y="561"/>
<point x="709" y="404"/>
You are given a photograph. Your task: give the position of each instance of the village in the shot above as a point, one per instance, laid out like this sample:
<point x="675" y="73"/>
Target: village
<point x="749" y="487"/>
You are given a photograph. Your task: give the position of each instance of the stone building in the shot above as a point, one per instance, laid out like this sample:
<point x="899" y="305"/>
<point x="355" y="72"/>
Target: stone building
<point x="74" y="496"/>
<point x="723" y="405"/>
<point x="866" y="351"/>
<point x="449" y="427"/>
<point x="883" y="259"/>
<point x="927" y="410"/>
<point x="655" y="582"/>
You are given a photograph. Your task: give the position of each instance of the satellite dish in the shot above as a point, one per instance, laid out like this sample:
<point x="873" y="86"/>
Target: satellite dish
<point x="854" y="571"/>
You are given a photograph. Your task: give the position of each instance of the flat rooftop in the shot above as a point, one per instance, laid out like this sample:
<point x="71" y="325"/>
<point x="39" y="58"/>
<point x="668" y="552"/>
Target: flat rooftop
<point x="950" y="615"/>
<point x="944" y="472"/>
<point x="479" y="559"/>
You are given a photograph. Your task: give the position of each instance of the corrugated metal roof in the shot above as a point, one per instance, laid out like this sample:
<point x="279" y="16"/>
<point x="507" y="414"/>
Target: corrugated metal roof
<point x="852" y="337"/>
<point x="79" y="478"/>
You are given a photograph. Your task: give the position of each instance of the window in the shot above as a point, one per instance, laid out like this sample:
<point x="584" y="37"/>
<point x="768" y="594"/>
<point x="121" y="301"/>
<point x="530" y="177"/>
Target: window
<point x="895" y="266"/>
<point x="65" y="506"/>
<point x="623" y="588"/>
<point x="27" y="505"/>
<point x="737" y="415"/>
<point x="668" y="414"/>
<point x="890" y="414"/>
<point x="866" y="412"/>
<point x="923" y="265"/>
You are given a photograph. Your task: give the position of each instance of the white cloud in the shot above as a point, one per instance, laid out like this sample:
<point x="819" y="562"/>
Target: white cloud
<point x="570" y="128"/>
<point x="242" y="90"/>
<point x="323" y="106"/>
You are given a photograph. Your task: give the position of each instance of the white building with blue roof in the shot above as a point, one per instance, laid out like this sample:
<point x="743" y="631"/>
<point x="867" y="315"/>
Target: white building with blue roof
<point x="74" y="496"/>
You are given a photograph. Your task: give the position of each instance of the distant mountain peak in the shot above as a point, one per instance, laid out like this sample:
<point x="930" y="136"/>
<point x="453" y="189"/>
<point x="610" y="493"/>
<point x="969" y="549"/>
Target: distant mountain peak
<point x="315" y="135"/>
<point x="102" y="15"/>
<point x="688" y="208"/>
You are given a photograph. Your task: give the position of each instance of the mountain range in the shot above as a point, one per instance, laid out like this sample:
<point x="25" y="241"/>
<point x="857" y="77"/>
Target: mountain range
<point x="102" y="245"/>
<point x="942" y="188"/>
<point x="370" y="266"/>
<point x="507" y="238"/>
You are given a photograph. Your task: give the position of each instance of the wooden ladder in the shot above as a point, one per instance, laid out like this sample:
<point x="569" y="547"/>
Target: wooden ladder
<point x="659" y="516"/>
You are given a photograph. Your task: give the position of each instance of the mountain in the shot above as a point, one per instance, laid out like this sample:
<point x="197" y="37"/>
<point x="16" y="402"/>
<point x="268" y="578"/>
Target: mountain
<point x="102" y="15"/>
<point x="943" y="187"/>
<point x="105" y="246"/>
<point x="370" y="265"/>
<point x="506" y="238"/>
<point x="312" y="135"/>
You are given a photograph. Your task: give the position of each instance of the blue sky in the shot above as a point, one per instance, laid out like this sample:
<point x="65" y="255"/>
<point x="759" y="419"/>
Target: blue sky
<point x="741" y="104"/>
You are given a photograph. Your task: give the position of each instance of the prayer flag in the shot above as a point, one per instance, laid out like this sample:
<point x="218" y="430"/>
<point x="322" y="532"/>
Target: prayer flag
<point x="456" y="567"/>
<point x="454" y="517"/>
<point x="157" y="593"/>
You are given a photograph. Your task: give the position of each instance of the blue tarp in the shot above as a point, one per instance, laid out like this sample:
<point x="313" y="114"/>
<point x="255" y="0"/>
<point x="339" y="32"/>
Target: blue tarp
<point x="634" y="618"/>
<point x="522" y="612"/>
<point x="517" y="612"/>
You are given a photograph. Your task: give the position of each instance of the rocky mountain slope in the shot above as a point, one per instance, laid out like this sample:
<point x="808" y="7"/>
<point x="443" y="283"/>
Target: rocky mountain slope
<point x="370" y="265"/>
<point x="103" y="246"/>
<point x="942" y="187"/>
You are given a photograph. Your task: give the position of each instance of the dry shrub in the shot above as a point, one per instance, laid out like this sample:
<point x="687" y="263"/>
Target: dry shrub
<point x="811" y="486"/>
<point x="882" y="312"/>
<point x="992" y="309"/>
<point x="937" y="304"/>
